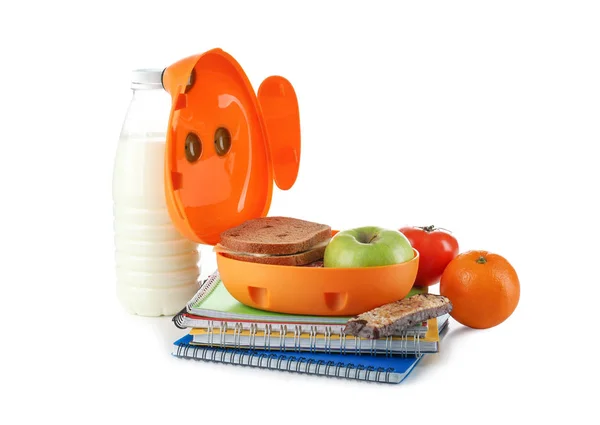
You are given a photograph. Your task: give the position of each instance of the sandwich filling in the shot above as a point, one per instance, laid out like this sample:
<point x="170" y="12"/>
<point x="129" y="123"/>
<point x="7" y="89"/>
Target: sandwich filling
<point x="222" y="249"/>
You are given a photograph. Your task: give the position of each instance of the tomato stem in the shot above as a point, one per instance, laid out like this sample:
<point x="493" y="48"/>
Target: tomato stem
<point x="481" y="260"/>
<point x="431" y="228"/>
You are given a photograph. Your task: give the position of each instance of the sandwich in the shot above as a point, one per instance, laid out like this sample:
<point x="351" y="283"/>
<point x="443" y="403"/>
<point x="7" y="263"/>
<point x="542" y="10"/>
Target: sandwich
<point x="281" y="241"/>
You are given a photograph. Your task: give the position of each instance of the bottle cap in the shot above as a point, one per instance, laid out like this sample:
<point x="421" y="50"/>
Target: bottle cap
<point x="226" y="144"/>
<point x="149" y="78"/>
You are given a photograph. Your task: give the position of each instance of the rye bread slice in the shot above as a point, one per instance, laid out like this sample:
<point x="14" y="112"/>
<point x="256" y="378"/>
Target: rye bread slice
<point x="301" y="259"/>
<point x="275" y="236"/>
<point x="390" y="319"/>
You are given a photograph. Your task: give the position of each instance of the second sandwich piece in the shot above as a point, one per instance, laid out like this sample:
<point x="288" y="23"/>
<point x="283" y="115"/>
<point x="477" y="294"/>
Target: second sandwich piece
<point x="276" y="240"/>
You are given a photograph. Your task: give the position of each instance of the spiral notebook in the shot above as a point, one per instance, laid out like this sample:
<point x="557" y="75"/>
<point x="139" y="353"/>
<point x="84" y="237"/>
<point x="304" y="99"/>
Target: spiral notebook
<point x="392" y="370"/>
<point x="213" y="307"/>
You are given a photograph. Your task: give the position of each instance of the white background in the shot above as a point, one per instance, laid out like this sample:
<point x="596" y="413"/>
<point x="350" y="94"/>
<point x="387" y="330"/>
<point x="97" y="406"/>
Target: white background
<point x="479" y="117"/>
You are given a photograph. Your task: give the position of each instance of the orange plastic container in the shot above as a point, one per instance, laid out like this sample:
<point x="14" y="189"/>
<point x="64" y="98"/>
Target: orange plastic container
<point x="316" y="290"/>
<point x="225" y="146"/>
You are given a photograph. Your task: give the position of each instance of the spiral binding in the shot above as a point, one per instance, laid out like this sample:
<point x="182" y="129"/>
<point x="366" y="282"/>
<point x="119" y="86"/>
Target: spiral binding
<point x="211" y="334"/>
<point x="313" y="339"/>
<point x="267" y="339"/>
<point x="289" y="363"/>
<point x="237" y="334"/>
<point x="178" y="319"/>
<point x="293" y="341"/>
<point x="223" y="330"/>
<point x="252" y="335"/>
<point x="328" y="341"/>
<point x="182" y="321"/>
<point x="349" y="368"/>
<point x="343" y="342"/>
<point x="206" y="288"/>
<point x="282" y="334"/>
<point x="297" y="335"/>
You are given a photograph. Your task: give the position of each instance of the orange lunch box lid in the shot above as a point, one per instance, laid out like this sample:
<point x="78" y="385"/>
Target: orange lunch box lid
<point x="226" y="144"/>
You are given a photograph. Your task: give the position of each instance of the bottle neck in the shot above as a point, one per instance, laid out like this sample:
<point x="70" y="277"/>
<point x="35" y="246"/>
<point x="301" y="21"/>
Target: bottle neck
<point x="147" y="115"/>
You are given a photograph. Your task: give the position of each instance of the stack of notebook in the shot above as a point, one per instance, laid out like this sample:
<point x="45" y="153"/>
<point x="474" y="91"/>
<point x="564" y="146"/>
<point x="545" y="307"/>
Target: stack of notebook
<point x="221" y="329"/>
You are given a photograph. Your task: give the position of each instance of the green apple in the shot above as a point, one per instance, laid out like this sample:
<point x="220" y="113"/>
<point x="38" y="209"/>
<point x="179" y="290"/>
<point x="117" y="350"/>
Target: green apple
<point x="367" y="247"/>
<point x="415" y="290"/>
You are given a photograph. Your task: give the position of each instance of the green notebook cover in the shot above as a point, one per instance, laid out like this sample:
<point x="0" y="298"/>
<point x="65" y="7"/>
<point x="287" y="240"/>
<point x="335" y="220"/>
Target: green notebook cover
<point x="213" y="300"/>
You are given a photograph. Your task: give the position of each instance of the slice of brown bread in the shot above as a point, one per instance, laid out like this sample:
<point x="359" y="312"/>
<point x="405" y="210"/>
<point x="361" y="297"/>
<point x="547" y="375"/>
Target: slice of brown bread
<point x="275" y="236"/>
<point x="300" y="259"/>
<point x="390" y="319"/>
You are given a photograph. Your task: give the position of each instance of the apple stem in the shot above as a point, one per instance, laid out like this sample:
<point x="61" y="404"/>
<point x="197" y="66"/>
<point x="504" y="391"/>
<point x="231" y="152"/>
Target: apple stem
<point x="372" y="238"/>
<point x="481" y="260"/>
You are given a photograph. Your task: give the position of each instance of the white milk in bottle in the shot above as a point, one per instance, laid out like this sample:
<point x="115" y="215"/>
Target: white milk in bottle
<point x="157" y="269"/>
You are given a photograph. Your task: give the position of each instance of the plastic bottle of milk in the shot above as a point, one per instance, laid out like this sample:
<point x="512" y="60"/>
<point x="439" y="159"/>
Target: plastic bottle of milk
<point x="157" y="269"/>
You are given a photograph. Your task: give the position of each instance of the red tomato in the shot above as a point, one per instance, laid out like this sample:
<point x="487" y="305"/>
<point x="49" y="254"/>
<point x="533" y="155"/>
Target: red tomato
<point x="436" y="249"/>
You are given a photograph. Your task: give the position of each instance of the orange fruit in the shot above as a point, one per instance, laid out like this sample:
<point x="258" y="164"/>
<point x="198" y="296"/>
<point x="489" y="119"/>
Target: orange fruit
<point x="483" y="288"/>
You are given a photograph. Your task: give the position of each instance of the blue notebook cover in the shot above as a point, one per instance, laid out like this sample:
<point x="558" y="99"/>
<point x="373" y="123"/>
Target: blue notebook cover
<point x="350" y="366"/>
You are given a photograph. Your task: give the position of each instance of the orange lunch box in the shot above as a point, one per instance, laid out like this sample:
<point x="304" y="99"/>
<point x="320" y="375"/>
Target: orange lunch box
<point x="317" y="291"/>
<point x="225" y="146"/>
